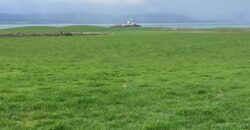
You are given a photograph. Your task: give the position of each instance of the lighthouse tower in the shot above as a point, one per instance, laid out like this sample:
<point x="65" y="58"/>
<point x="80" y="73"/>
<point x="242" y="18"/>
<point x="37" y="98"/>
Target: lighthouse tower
<point x="130" y="22"/>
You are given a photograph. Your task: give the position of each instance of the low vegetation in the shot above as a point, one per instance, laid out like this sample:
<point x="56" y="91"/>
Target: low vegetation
<point x="137" y="78"/>
<point x="51" y="34"/>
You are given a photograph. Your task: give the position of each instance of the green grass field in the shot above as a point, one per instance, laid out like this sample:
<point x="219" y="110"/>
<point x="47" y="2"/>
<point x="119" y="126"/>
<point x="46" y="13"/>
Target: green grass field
<point x="145" y="79"/>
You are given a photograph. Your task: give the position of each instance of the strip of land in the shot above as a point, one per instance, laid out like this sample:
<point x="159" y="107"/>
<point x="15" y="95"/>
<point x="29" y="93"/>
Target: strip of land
<point x="51" y="34"/>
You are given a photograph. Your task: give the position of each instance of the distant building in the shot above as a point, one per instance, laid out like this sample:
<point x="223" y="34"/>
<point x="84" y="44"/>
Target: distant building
<point x="129" y="23"/>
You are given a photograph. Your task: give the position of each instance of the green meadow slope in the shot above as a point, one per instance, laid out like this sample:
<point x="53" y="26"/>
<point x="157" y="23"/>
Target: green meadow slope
<point x="146" y="79"/>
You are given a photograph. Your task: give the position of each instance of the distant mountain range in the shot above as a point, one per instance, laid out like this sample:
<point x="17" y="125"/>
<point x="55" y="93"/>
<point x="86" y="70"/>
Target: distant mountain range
<point x="91" y="18"/>
<point x="85" y="18"/>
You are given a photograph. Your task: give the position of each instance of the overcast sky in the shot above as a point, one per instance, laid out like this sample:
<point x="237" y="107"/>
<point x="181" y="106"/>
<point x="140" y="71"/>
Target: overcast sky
<point x="199" y="9"/>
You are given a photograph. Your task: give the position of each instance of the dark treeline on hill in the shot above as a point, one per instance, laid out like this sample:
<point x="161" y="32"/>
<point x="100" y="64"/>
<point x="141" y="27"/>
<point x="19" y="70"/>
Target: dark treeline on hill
<point x="90" y="18"/>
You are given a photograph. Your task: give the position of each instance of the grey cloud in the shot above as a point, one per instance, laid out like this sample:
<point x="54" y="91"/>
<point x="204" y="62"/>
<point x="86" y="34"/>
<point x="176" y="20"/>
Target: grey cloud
<point x="198" y="9"/>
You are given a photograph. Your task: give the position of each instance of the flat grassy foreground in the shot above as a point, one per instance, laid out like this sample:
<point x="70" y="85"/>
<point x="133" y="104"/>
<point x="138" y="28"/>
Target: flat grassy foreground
<point x="146" y="79"/>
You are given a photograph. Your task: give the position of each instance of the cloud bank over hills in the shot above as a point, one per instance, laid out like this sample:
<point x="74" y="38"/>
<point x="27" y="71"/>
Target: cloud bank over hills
<point x="85" y="18"/>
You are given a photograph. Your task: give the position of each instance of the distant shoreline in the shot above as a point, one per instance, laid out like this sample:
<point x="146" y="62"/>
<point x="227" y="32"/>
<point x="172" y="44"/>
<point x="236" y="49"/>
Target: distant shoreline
<point x="163" y="25"/>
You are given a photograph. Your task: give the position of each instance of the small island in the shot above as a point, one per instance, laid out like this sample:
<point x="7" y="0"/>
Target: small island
<point x="129" y="23"/>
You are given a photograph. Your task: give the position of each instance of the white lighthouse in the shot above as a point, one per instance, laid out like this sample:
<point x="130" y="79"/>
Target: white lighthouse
<point x="129" y="23"/>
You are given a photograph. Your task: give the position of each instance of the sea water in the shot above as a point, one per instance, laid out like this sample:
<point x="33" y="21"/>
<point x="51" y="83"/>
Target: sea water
<point x="167" y="25"/>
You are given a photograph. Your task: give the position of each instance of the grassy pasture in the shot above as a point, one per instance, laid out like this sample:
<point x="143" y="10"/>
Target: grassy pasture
<point x="146" y="79"/>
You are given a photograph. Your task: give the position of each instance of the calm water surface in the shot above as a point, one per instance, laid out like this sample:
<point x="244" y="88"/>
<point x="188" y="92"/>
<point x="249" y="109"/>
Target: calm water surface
<point x="173" y="25"/>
